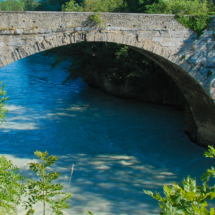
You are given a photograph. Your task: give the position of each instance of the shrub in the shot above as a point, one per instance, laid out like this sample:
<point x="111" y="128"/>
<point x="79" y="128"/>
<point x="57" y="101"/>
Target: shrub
<point x="93" y="6"/>
<point x="97" y="20"/>
<point x="179" y="7"/>
<point x="188" y="198"/>
<point x="199" y="12"/>
<point x="42" y="190"/>
<point x="10" y="188"/>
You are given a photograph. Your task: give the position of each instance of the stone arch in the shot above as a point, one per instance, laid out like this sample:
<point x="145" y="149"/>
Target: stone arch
<point x="201" y="111"/>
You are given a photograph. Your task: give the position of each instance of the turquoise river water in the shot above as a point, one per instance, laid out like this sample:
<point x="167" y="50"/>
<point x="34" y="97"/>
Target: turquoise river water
<point x="118" y="147"/>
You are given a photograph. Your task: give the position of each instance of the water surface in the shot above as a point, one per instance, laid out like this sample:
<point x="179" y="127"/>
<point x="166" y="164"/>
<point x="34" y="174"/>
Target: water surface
<point x="119" y="147"/>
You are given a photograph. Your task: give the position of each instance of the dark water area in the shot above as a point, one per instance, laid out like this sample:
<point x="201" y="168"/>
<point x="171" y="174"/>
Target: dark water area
<point x="119" y="147"/>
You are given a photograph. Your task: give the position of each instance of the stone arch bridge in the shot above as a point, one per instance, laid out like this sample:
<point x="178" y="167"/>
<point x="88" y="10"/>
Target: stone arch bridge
<point x="189" y="61"/>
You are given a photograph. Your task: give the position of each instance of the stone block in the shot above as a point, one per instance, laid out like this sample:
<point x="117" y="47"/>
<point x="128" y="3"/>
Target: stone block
<point x="60" y="30"/>
<point x="41" y="31"/>
<point x="85" y="28"/>
<point x="198" y="59"/>
<point x="5" y="32"/>
<point x="124" y="29"/>
<point x="210" y="62"/>
<point x="18" y="31"/>
<point x="167" y="44"/>
<point x="46" y="31"/>
<point x="78" y="28"/>
<point x="178" y="32"/>
<point x="189" y="41"/>
<point x="179" y="36"/>
<point x="208" y="32"/>
<point x="2" y="44"/>
<point x="158" y="39"/>
<point x="177" y="39"/>
<point x="17" y="43"/>
<point x="205" y="37"/>
<point x="165" y="35"/>
<point x="185" y="66"/>
<point x="152" y="33"/>
<point x="174" y="49"/>
<point x="113" y="29"/>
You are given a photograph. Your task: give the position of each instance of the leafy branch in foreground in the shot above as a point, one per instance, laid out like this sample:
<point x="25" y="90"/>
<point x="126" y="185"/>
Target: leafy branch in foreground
<point x="188" y="198"/>
<point x="10" y="188"/>
<point x="42" y="190"/>
<point x="3" y="99"/>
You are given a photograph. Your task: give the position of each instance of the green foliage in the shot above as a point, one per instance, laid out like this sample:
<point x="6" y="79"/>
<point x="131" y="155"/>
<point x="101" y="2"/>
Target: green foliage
<point x="3" y="99"/>
<point x="11" y="5"/>
<point x="209" y="73"/>
<point x="18" y="5"/>
<point x="134" y="6"/>
<point x="96" y="18"/>
<point x="188" y="198"/>
<point x="29" y="5"/>
<point x="87" y="59"/>
<point x="50" y="5"/>
<point x="10" y="188"/>
<point x="179" y="7"/>
<point x="137" y="6"/>
<point x="199" y="12"/>
<point x="197" y="23"/>
<point x="94" y="6"/>
<point x="184" y="57"/>
<point x="43" y="190"/>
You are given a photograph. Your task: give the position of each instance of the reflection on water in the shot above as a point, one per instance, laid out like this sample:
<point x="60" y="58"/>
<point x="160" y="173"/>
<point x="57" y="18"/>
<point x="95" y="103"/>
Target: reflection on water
<point x="119" y="147"/>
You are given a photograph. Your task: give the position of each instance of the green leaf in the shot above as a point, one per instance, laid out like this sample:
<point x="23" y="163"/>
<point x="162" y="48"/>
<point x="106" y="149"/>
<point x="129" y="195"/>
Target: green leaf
<point x="187" y="198"/>
<point x="43" y="190"/>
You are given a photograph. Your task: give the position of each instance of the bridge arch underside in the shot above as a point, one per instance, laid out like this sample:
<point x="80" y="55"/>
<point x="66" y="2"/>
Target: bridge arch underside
<point x="200" y="113"/>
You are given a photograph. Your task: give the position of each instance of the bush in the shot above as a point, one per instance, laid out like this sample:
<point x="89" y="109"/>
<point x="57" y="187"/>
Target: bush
<point x="42" y="190"/>
<point x="199" y="12"/>
<point x="93" y="6"/>
<point x="188" y="198"/>
<point x="179" y="7"/>
<point x="97" y="20"/>
<point x="10" y="188"/>
<point x="197" y="23"/>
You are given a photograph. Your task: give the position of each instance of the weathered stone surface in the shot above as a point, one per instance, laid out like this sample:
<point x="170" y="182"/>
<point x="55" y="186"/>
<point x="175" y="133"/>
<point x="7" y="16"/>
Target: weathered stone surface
<point x="160" y="37"/>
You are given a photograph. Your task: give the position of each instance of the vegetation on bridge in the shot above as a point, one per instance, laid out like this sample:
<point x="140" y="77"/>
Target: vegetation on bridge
<point x="199" y="12"/>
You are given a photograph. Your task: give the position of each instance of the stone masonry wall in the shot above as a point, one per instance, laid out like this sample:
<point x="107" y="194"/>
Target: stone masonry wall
<point x="178" y="44"/>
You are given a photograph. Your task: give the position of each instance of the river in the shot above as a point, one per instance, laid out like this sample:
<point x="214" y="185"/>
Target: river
<point x="118" y="147"/>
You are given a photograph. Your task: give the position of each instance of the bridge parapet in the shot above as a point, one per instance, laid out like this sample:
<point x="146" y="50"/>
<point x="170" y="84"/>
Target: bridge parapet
<point x="47" y="20"/>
